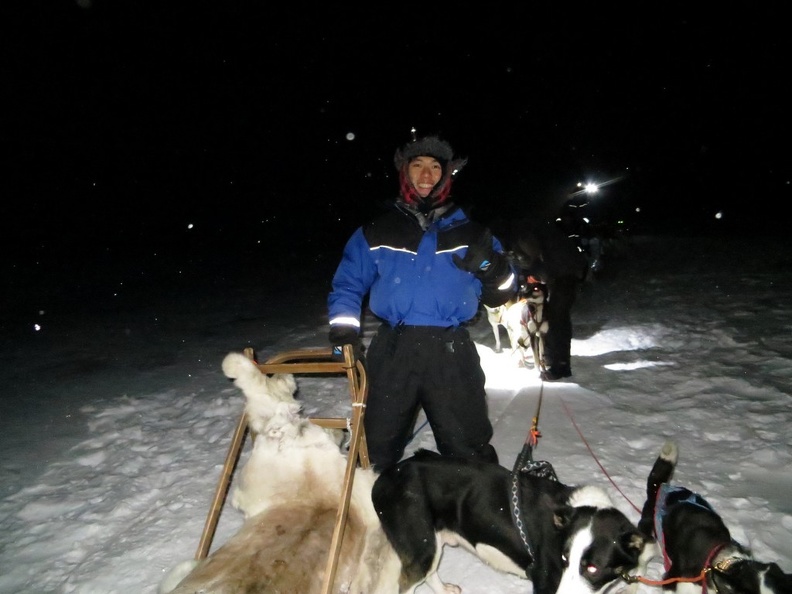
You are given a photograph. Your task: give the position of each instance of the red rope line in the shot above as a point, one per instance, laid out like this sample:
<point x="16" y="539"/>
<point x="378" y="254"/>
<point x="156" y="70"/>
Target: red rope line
<point x="649" y="582"/>
<point x="593" y="455"/>
<point x="699" y="578"/>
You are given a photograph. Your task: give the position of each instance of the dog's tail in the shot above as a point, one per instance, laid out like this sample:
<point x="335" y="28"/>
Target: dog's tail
<point x="661" y="472"/>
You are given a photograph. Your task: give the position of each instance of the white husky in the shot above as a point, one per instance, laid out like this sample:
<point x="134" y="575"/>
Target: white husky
<point x="509" y="315"/>
<point x="289" y="491"/>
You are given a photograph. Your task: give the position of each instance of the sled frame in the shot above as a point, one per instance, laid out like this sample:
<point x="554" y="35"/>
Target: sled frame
<point x="301" y="362"/>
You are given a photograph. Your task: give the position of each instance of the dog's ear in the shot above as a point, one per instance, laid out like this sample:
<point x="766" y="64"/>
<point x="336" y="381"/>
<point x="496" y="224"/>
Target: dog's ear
<point x="630" y="547"/>
<point x="562" y="516"/>
<point x="634" y="541"/>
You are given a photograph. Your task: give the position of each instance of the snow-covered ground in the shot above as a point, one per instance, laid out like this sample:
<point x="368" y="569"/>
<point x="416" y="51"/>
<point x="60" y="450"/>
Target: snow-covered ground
<point x="115" y="416"/>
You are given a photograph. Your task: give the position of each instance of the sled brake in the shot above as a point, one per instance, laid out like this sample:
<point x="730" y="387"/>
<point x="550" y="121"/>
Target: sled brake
<point x="299" y="362"/>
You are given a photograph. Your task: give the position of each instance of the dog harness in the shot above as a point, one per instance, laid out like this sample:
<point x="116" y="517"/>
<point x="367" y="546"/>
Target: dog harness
<point x="538" y="468"/>
<point x="668" y="495"/>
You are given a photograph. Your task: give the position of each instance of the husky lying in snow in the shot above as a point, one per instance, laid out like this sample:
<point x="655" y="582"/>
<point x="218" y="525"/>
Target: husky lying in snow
<point x="289" y="491"/>
<point x="580" y="543"/>
<point x="692" y="539"/>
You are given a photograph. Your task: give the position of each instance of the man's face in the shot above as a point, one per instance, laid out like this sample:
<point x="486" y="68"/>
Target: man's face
<point x="424" y="173"/>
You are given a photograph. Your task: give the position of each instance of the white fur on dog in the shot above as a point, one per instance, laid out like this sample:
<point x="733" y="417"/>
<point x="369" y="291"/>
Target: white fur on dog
<point x="509" y="316"/>
<point x="266" y="396"/>
<point x="590" y="496"/>
<point x="289" y="491"/>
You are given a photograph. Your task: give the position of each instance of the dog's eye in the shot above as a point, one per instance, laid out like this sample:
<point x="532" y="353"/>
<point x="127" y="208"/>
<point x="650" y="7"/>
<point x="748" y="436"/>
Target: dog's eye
<point x="592" y="569"/>
<point x="565" y="560"/>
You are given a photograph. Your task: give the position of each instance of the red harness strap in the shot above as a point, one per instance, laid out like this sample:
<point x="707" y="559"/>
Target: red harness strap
<point x="702" y="577"/>
<point x="708" y="564"/>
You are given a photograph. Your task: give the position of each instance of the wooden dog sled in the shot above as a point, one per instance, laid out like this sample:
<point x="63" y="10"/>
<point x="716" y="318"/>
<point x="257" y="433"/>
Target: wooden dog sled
<point x="299" y="362"/>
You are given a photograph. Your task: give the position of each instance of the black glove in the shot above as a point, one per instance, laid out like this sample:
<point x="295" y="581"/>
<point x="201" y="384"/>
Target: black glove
<point x="340" y="335"/>
<point x="481" y="259"/>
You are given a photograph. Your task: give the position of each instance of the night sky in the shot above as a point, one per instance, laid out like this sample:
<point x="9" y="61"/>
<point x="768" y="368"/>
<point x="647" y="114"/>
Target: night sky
<point x="139" y="122"/>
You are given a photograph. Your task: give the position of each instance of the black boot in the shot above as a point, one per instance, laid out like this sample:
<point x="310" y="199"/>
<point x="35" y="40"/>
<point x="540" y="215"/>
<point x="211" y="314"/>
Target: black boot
<point x="555" y="373"/>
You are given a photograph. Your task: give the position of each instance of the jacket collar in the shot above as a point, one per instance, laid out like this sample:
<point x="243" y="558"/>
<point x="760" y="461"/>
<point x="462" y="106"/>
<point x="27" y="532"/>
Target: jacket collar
<point x="434" y="216"/>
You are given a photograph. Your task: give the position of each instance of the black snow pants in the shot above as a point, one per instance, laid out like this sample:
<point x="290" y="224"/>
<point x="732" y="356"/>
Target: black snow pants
<point x="557" y="310"/>
<point x="437" y="369"/>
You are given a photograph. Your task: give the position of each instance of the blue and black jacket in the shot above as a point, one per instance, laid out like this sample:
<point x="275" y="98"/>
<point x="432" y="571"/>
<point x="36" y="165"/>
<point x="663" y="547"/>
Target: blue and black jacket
<point x="409" y="273"/>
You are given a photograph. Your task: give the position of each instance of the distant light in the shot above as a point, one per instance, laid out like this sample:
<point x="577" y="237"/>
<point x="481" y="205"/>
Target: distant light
<point x="637" y="209"/>
<point x="36" y="327"/>
<point x="719" y="215"/>
<point x="594" y="187"/>
<point x="189" y="225"/>
<point x="350" y="136"/>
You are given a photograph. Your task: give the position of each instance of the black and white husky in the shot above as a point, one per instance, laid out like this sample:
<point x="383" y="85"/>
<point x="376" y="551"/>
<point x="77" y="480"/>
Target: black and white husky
<point x="577" y="541"/>
<point x="698" y="551"/>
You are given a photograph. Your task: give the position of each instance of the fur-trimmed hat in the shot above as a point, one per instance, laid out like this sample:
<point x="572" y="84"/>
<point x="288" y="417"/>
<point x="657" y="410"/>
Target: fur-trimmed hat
<point x="429" y="146"/>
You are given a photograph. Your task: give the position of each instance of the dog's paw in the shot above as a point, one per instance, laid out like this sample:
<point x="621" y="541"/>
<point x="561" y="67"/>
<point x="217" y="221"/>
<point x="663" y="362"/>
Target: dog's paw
<point x="236" y="364"/>
<point x="670" y="452"/>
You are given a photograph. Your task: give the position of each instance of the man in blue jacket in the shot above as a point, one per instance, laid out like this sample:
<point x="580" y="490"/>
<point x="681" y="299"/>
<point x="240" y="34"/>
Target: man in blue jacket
<point x="425" y="267"/>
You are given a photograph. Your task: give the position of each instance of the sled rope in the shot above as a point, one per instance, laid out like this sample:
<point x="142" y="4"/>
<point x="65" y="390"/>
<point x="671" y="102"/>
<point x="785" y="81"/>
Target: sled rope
<point x="525" y="456"/>
<point x="631" y="579"/>
<point x="416" y="432"/>
<point x="593" y="455"/>
<point x="532" y="440"/>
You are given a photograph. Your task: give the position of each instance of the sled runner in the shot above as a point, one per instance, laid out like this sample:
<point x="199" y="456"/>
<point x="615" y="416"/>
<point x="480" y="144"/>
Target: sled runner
<point x="300" y="362"/>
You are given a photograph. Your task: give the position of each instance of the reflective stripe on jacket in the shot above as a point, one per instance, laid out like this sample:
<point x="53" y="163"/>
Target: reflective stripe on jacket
<point x="409" y="272"/>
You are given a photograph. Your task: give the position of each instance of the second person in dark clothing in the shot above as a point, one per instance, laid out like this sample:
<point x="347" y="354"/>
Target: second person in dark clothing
<point x="425" y="267"/>
<point x="544" y="252"/>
